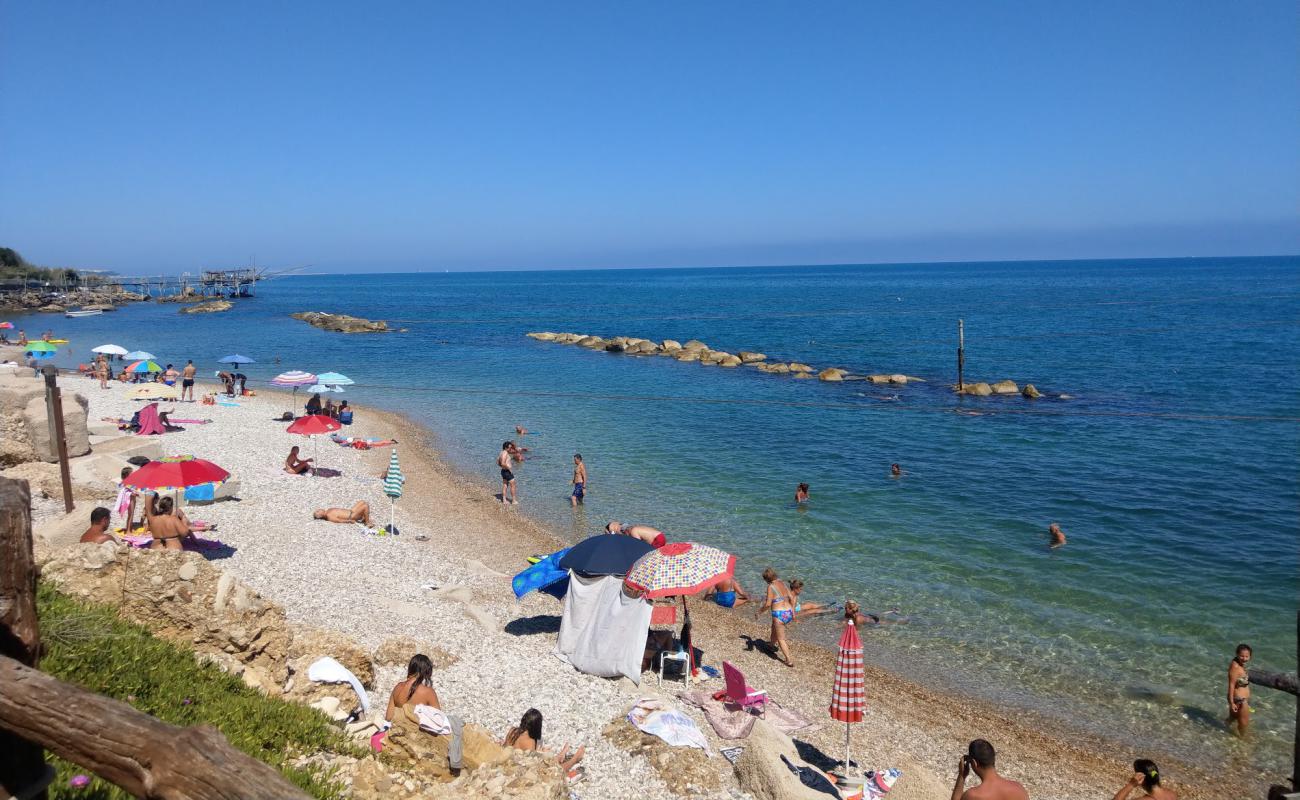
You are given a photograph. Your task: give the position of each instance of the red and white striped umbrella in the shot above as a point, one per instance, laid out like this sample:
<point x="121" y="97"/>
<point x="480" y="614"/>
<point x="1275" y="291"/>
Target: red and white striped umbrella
<point x="849" y="697"/>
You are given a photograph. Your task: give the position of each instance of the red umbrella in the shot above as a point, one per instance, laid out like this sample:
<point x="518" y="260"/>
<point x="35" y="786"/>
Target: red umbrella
<point x="174" y="473"/>
<point x="312" y="425"/>
<point x="849" y="697"/>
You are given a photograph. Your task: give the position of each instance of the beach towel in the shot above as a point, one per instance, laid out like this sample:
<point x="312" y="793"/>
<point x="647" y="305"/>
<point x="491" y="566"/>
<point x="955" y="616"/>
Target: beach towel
<point x="730" y="721"/>
<point x="327" y="670"/>
<point x="655" y="717"/>
<point x="192" y="543"/>
<point x="544" y="575"/>
<point x="603" y="631"/>
<point x="123" y="502"/>
<point x="202" y="492"/>
<point x="150" y="425"/>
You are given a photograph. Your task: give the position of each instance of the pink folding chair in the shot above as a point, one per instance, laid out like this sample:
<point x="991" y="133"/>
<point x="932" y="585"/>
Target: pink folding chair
<point x="741" y="693"/>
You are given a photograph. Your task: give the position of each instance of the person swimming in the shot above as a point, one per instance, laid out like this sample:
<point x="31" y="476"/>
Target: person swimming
<point x="801" y="493"/>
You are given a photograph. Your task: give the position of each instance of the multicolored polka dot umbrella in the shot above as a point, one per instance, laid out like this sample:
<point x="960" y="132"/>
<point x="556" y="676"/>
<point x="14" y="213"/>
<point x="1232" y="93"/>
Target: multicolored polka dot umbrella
<point x="680" y="568"/>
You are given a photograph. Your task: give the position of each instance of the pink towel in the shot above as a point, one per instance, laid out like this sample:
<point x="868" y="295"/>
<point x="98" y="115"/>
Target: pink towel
<point x="149" y="422"/>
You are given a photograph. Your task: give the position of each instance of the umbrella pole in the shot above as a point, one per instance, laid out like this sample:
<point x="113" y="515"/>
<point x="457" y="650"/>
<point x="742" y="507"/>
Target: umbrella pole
<point x="392" y="514"/>
<point x="848" y="730"/>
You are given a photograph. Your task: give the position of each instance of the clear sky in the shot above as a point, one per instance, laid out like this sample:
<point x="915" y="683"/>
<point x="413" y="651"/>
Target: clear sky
<point x="359" y="136"/>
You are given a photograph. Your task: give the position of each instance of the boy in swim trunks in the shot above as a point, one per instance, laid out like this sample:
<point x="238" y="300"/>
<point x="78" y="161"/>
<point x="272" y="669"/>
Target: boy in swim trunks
<point x="507" y="475"/>
<point x="579" y="481"/>
<point x="651" y="536"/>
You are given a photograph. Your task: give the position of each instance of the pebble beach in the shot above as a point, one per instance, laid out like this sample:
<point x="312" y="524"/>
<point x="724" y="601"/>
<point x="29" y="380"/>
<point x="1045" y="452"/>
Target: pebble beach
<point x="445" y="580"/>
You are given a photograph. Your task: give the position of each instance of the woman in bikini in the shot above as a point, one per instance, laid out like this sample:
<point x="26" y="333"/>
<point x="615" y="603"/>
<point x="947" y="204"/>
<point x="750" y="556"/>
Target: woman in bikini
<point x="294" y="465"/>
<point x="1239" y="690"/>
<point x="779" y="603"/>
<point x="166" y="528"/>
<point x="527" y="735"/>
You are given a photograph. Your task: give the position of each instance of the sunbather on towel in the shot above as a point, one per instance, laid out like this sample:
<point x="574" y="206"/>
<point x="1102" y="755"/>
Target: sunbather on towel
<point x="294" y="465"/>
<point x="527" y="735"/>
<point x="358" y="513"/>
<point x="166" y="527"/>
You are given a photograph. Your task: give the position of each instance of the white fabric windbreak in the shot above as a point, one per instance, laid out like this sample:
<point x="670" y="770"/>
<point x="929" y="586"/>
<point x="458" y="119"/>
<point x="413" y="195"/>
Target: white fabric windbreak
<point x="603" y="631"/>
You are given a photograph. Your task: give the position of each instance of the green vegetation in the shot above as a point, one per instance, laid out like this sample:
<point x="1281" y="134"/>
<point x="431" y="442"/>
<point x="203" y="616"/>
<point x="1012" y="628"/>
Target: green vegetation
<point x="89" y="646"/>
<point x="13" y="267"/>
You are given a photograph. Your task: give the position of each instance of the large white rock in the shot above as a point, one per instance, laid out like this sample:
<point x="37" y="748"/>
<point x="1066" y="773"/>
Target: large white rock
<point x="75" y="408"/>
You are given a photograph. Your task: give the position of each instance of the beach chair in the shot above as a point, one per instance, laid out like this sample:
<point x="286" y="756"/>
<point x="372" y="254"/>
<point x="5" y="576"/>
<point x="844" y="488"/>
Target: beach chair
<point x="741" y="693"/>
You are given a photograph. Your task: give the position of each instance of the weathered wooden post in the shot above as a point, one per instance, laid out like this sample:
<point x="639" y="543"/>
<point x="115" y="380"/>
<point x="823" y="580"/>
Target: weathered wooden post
<point x="961" y="355"/>
<point x="54" y="410"/>
<point x="22" y="763"/>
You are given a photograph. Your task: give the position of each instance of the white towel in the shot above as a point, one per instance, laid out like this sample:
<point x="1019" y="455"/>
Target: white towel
<point x="327" y="670"/>
<point x="432" y="720"/>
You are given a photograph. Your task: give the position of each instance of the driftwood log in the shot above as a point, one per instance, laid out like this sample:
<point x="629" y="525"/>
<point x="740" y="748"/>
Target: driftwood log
<point x="143" y="755"/>
<point x="22" y="762"/>
<point x="1282" y="681"/>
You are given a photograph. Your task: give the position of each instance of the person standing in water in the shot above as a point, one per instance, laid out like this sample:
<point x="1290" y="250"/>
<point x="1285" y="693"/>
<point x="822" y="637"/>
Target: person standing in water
<point x="579" y="481"/>
<point x="778" y="601"/>
<point x="1239" y="690"/>
<point x="504" y="462"/>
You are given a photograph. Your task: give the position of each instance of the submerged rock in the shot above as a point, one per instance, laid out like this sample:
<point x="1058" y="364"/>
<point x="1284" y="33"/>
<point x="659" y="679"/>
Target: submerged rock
<point x="978" y="389"/>
<point x="208" y="308"/>
<point x="1005" y="387"/>
<point x="795" y="366"/>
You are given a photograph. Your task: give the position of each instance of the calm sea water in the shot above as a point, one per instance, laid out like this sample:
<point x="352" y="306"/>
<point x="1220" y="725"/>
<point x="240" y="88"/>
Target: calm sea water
<point x="1172" y="469"/>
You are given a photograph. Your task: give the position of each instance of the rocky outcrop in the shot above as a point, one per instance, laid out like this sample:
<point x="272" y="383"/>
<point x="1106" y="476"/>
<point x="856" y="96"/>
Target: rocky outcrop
<point x="1030" y="392"/>
<point x="978" y="389"/>
<point x="751" y="358"/>
<point x="795" y="366"/>
<point x="761" y="771"/>
<point x="75" y="432"/>
<point x="832" y="374"/>
<point x="1005" y="387"/>
<point x="209" y="307"/>
<point x="87" y="299"/>
<point x="340" y="323"/>
<point x="424" y="755"/>
<point x="46" y="481"/>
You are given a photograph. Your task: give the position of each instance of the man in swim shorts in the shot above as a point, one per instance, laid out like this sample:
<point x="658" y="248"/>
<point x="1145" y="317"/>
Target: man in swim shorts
<point x="651" y="536"/>
<point x="727" y="593"/>
<point x="360" y="512"/>
<point x="187" y="381"/>
<point x="579" y="481"/>
<point x="504" y="462"/>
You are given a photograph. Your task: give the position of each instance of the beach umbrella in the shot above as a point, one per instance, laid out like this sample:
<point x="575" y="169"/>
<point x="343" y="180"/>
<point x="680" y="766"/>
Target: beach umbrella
<point x="679" y="568"/>
<point x="605" y="554"/>
<point x="849" y="696"/>
<point x="320" y="387"/>
<point x="175" y="473"/>
<point x="545" y="576"/>
<point x="393" y="482"/>
<point x="155" y="391"/>
<point x="39" y="346"/>
<point x="313" y="425"/>
<point x="294" y="379"/>
<point x="39" y="354"/>
<point x="8" y="326"/>
<point x="143" y="366"/>
<point x="138" y="355"/>
<point x="110" y="350"/>
<point x="236" y="359"/>
<point x="334" y="379"/>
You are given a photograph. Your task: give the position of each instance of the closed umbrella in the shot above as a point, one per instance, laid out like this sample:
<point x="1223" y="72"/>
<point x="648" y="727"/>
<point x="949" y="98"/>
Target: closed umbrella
<point x="605" y="554"/>
<point x="849" y="696"/>
<point x="313" y="425"/>
<point x="394" y="480"/>
<point x="294" y="379"/>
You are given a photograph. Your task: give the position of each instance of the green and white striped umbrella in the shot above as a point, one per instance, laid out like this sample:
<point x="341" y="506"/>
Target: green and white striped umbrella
<point x="393" y="479"/>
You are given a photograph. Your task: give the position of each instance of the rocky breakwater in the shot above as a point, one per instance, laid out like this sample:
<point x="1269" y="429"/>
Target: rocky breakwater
<point x="209" y="307"/>
<point x="57" y="303"/>
<point x="341" y="323"/>
<point x="1003" y="388"/>
<point x="693" y="350"/>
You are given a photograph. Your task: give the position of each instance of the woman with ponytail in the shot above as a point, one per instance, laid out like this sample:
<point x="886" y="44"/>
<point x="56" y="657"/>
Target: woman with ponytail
<point x="1146" y="775"/>
<point x="527" y="735"/>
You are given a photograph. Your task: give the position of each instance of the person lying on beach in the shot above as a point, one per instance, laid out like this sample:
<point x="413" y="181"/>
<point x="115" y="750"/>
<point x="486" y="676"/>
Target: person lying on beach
<point x="778" y="601"/>
<point x="166" y="527"/>
<point x="98" y="533"/>
<point x="527" y="735"/>
<point x="801" y="493"/>
<point x="651" y="536"/>
<point x="416" y="689"/>
<point x="727" y="593"/>
<point x="981" y="758"/>
<point x="294" y="465"/>
<point x="853" y="613"/>
<point x="1146" y="775"/>
<point x="360" y="512"/>
<point x="1055" y="536"/>
<point x="809" y="609"/>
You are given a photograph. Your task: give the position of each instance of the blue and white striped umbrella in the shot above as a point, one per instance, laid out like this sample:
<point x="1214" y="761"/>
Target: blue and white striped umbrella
<point x="394" y="479"/>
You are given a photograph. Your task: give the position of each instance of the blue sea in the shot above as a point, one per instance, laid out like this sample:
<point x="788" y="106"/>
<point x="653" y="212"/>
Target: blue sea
<point x="1171" y="466"/>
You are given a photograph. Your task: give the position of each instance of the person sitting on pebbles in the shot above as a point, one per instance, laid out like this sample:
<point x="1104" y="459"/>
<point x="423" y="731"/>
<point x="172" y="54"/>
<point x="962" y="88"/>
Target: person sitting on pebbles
<point x="360" y="512"/>
<point x="294" y="465"/>
<point x="527" y="735"/>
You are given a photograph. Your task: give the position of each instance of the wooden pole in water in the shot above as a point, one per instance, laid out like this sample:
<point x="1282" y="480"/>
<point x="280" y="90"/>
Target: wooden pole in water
<point x="961" y="354"/>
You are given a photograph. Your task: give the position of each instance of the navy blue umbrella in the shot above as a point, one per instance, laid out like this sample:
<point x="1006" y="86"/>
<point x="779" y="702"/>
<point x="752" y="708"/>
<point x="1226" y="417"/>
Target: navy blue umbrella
<point x="605" y="554"/>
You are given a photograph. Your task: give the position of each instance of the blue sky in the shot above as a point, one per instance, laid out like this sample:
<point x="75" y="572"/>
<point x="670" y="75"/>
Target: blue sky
<point x="161" y="137"/>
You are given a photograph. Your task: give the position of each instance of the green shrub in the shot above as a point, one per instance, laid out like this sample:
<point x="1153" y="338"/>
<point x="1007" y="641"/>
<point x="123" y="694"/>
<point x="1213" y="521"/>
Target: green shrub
<point x="88" y="645"/>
